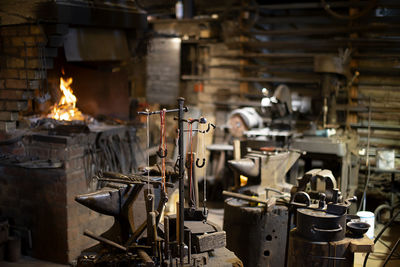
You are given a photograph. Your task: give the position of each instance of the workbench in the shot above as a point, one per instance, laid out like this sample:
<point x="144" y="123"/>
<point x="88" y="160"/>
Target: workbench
<point x="331" y="150"/>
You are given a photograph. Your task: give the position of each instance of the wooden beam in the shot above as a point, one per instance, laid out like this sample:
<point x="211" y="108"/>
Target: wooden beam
<point x="326" y="30"/>
<point x="319" y="44"/>
<point x="249" y="79"/>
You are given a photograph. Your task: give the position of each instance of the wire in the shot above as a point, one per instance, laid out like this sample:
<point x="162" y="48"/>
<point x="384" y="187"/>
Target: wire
<point x="380" y="234"/>
<point x="202" y="133"/>
<point x="387" y="246"/>
<point x="204" y="175"/>
<point x="363" y="202"/>
<point x="190" y="141"/>
<point x="391" y="252"/>
<point x="148" y="149"/>
<point x="163" y="146"/>
<point x="327" y="7"/>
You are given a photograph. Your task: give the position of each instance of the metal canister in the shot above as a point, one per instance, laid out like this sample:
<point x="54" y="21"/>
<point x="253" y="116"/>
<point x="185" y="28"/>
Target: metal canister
<point x="316" y="225"/>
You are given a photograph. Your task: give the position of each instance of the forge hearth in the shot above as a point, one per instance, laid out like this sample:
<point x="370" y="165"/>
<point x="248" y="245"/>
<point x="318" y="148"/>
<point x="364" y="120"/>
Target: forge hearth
<point x="37" y="190"/>
<point x="43" y="169"/>
<point x="93" y="38"/>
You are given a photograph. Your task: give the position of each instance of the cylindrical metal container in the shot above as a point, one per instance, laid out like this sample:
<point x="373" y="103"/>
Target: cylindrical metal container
<point x="368" y="217"/>
<point x="320" y="226"/>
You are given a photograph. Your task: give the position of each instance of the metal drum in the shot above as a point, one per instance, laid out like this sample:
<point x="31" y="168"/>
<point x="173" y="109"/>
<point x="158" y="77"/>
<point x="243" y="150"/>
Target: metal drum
<point x="320" y="226"/>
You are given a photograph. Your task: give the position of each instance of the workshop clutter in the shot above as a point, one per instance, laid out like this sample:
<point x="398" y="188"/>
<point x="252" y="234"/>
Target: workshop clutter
<point x="158" y="239"/>
<point x="10" y="246"/>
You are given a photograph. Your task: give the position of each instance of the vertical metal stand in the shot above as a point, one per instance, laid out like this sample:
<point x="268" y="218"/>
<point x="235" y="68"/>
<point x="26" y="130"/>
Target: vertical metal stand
<point x="180" y="215"/>
<point x="181" y="183"/>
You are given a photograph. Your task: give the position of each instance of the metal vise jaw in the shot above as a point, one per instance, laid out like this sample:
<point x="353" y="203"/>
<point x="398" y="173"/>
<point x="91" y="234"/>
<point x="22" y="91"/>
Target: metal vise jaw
<point x="317" y="181"/>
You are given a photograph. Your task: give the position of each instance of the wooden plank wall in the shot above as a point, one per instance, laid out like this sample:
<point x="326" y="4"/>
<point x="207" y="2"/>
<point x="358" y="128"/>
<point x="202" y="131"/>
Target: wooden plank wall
<point x="279" y="44"/>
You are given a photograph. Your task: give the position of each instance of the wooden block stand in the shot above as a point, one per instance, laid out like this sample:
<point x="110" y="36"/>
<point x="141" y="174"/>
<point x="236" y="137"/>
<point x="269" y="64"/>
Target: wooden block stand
<point x="303" y="252"/>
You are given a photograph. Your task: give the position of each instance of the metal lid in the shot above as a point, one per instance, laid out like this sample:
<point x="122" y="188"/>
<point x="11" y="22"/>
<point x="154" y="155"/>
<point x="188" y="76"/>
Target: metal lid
<point x="317" y="213"/>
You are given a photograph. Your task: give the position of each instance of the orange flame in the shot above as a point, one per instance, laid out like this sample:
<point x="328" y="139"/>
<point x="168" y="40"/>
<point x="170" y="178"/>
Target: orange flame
<point x="66" y="109"/>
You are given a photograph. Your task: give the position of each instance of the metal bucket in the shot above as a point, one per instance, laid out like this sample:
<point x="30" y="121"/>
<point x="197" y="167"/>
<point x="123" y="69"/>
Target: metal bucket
<point x="368" y="217"/>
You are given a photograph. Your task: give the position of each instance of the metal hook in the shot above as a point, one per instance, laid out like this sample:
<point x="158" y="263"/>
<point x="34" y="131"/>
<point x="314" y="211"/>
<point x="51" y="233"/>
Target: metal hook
<point x="208" y="128"/>
<point x="162" y="153"/>
<point x="202" y="165"/>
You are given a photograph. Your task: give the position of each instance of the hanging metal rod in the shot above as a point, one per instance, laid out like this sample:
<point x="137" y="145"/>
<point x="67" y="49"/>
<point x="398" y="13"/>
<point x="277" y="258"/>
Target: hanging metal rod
<point x="148" y="113"/>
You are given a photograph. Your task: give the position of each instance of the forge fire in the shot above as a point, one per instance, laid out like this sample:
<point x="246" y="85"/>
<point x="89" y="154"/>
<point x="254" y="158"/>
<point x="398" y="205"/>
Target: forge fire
<point x="66" y="109"/>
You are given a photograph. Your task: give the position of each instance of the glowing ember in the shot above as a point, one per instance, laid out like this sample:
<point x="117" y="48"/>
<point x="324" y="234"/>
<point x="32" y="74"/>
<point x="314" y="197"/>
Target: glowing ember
<point x="66" y="109"/>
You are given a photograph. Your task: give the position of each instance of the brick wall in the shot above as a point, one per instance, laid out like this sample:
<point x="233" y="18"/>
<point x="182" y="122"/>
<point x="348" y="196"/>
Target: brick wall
<point x="42" y="199"/>
<point x="20" y="70"/>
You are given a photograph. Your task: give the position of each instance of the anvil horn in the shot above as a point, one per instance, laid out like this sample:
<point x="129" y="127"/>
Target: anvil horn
<point x="247" y="167"/>
<point x="105" y="201"/>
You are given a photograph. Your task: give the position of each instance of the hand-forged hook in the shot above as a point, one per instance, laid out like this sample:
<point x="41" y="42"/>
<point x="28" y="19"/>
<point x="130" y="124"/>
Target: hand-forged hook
<point x="200" y="165"/>
<point x="162" y="153"/>
<point x="208" y="128"/>
<point x="190" y="121"/>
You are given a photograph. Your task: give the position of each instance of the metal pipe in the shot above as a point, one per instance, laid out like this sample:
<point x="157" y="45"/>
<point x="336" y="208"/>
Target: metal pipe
<point x="244" y="197"/>
<point x="363" y="202"/>
<point x="166" y="237"/>
<point x="189" y="244"/>
<point x="287" y="235"/>
<point x="380" y="234"/>
<point x="104" y="240"/>
<point x="168" y="110"/>
<point x="181" y="182"/>
<point x="391" y="252"/>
